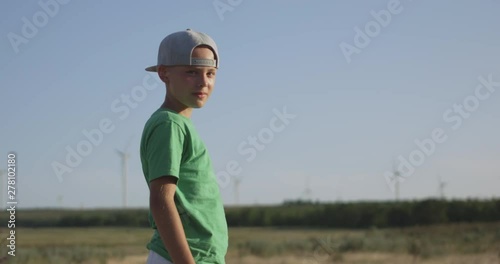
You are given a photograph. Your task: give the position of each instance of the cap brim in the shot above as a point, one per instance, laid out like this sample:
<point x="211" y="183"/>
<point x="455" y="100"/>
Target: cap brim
<point x="152" y="69"/>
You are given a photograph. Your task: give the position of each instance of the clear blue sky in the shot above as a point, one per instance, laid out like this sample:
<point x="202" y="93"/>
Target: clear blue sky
<point x="68" y="67"/>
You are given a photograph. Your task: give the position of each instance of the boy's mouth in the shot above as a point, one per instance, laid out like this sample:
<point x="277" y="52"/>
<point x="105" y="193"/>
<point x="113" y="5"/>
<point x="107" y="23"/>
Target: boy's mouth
<point x="200" y="94"/>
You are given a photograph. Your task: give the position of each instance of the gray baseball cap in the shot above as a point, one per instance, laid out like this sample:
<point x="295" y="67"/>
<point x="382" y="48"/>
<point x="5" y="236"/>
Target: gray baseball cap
<point x="176" y="49"/>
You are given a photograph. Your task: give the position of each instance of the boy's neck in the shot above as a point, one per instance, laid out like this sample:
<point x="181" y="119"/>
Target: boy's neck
<point x="177" y="107"/>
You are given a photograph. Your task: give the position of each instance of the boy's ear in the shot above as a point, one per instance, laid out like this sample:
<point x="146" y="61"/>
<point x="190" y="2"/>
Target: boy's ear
<point x="163" y="73"/>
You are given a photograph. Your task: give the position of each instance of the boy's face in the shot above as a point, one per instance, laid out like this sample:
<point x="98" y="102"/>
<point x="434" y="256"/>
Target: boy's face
<point x="189" y="86"/>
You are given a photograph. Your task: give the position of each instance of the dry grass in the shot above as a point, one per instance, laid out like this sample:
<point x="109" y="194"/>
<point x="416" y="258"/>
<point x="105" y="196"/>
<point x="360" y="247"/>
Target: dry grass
<point x="463" y="243"/>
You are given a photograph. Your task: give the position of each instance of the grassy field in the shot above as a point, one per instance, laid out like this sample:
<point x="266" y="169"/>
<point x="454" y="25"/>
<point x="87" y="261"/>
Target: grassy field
<point x="459" y="243"/>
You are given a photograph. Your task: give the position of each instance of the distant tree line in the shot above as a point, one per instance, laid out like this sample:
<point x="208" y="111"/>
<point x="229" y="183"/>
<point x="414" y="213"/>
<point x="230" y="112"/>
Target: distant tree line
<point x="367" y="214"/>
<point x="290" y="214"/>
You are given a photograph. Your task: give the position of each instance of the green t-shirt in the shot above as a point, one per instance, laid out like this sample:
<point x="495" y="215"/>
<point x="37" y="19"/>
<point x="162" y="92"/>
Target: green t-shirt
<point x="171" y="146"/>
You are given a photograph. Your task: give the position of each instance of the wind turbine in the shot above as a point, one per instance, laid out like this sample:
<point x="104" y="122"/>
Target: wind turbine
<point x="125" y="156"/>
<point x="397" y="175"/>
<point x="339" y="194"/>
<point x="307" y="191"/>
<point x="60" y="199"/>
<point x="339" y="187"/>
<point x="236" y="189"/>
<point x="441" y="185"/>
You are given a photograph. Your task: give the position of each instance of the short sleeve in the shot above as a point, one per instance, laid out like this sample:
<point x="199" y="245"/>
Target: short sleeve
<point x="164" y="150"/>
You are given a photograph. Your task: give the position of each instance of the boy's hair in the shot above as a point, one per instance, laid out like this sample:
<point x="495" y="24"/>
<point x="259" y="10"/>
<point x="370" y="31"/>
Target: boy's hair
<point x="176" y="49"/>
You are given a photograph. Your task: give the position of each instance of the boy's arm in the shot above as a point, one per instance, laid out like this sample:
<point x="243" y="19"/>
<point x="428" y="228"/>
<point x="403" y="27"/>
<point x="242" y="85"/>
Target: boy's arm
<point x="168" y="222"/>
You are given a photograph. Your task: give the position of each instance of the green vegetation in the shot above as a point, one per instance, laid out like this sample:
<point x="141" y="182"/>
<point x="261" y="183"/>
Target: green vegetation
<point x="366" y="214"/>
<point x="290" y="214"/>
<point x="79" y="218"/>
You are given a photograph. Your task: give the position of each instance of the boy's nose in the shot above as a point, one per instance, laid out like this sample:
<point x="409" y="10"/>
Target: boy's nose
<point x="203" y="81"/>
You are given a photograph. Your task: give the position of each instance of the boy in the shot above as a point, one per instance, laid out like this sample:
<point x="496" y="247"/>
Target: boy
<point x="186" y="210"/>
